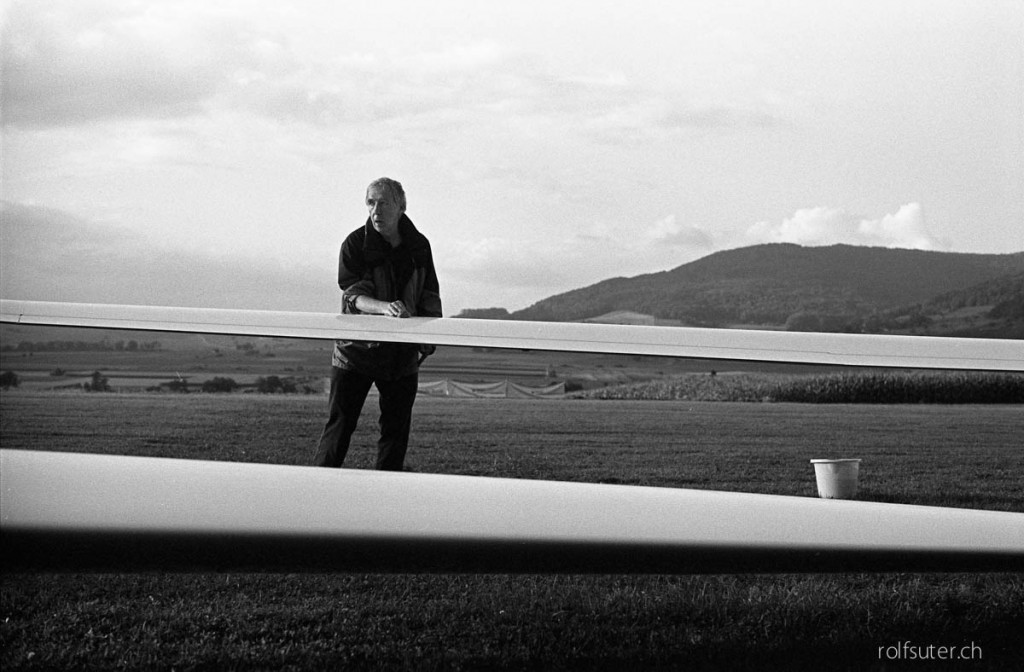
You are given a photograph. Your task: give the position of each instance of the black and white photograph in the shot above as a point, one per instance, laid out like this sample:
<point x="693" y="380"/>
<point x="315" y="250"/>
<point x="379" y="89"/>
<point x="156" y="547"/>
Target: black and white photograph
<point x="458" y="335"/>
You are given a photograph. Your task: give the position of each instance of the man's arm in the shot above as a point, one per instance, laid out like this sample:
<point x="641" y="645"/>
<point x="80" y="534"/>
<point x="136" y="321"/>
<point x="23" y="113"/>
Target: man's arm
<point x="357" y="289"/>
<point x="372" y="306"/>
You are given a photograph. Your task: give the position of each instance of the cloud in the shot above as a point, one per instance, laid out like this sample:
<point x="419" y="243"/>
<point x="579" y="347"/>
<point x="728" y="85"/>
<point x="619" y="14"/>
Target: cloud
<point x="905" y="228"/>
<point x="668" y="231"/>
<point x="808" y="226"/>
<point x="92" y="60"/>
<point x="828" y="226"/>
<point x="521" y="269"/>
<point x="49" y="255"/>
<point x="466" y="57"/>
<point x="76" y="62"/>
<point x="506" y="261"/>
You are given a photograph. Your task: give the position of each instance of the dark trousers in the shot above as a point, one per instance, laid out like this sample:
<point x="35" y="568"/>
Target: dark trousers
<point x="348" y="393"/>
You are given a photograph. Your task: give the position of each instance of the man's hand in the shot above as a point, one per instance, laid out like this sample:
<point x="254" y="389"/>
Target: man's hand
<point x="396" y="309"/>
<point x="426" y="350"/>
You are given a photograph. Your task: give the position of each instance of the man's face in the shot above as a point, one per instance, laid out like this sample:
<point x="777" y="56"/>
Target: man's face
<point x="384" y="211"/>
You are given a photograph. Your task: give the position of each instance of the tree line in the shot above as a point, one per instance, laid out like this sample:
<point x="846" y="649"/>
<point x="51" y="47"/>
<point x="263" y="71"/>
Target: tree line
<point x="84" y="346"/>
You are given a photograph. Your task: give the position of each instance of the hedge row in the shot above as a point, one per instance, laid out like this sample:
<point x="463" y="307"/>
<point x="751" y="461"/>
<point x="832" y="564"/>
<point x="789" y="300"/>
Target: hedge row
<point x="890" y="387"/>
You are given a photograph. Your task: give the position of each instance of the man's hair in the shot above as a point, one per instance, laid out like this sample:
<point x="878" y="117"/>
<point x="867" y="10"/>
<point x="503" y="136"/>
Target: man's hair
<point x="393" y="189"/>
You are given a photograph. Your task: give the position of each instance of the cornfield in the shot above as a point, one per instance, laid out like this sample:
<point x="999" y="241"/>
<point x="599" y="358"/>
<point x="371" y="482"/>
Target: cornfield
<point x="872" y="387"/>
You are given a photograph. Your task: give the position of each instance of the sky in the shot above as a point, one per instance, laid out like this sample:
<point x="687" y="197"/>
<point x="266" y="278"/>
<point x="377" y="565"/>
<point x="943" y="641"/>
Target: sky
<point x="216" y="153"/>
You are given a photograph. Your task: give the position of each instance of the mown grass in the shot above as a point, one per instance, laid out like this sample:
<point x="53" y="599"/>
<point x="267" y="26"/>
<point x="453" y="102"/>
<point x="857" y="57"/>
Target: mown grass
<point x="959" y="456"/>
<point x="425" y="622"/>
<point x="873" y="387"/>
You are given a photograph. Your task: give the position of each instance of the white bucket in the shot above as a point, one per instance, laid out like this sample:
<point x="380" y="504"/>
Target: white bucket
<point x="837" y="479"/>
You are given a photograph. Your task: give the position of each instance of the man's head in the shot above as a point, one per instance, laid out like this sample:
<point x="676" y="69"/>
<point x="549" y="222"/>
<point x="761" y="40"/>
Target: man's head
<point x="385" y="200"/>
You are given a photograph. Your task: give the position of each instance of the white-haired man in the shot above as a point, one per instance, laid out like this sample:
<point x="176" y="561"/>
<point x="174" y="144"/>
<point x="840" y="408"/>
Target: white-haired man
<point x="385" y="268"/>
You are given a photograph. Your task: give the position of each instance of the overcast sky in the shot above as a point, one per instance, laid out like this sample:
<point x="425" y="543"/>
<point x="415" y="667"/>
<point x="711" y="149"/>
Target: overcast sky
<point x="213" y="153"/>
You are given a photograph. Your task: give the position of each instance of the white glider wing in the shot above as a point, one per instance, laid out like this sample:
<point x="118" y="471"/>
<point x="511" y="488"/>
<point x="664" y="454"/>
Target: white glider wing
<point x="78" y="511"/>
<point x="769" y="346"/>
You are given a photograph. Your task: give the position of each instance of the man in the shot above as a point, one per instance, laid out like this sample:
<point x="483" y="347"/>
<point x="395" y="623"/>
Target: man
<point x="385" y="268"/>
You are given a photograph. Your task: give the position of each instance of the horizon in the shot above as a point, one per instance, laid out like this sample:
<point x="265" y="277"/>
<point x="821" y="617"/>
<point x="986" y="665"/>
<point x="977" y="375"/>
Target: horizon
<point x="216" y="155"/>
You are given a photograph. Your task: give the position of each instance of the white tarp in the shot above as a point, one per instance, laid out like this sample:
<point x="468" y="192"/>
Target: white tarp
<point x="499" y="390"/>
<point x="437" y="388"/>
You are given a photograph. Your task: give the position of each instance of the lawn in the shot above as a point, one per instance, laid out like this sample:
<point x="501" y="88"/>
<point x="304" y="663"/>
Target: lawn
<point x="963" y="456"/>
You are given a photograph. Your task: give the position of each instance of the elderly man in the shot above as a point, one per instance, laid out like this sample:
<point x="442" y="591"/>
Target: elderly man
<point x="385" y="268"/>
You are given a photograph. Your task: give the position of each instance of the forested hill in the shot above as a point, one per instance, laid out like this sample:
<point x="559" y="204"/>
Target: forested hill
<point x="991" y="309"/>
<point x="837" y="288"/>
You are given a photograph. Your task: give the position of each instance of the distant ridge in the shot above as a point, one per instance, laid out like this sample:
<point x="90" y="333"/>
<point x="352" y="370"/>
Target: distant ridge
<point x="836" y="288"/>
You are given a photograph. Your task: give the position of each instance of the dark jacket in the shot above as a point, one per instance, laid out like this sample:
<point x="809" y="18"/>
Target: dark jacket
<point x="369" y="266"/>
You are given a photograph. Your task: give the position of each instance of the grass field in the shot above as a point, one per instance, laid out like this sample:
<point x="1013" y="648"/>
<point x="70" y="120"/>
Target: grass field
<point x="963" y="456"/>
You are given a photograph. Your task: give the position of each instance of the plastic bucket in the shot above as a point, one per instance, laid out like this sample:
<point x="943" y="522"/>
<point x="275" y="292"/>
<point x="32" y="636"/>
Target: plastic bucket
<point x="837" y="479"/>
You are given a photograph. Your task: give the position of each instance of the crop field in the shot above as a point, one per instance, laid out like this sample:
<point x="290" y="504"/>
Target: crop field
<point x="852" y="387"/>
<point x="960" y="456"/>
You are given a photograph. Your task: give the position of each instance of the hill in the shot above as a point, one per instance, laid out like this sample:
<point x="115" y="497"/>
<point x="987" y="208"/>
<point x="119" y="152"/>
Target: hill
<point x="991" y="309"/>
<point x="786" y="286"/>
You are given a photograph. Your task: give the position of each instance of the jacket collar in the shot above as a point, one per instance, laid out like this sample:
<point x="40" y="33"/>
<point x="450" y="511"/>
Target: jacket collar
<point x="376" y="247"/>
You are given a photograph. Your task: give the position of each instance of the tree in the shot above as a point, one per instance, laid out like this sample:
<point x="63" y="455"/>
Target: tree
<point x="220" y="384"/>
<point x="99" y="383"/>
<point x="274" y="384"/>
<point x="268" y="385"/>
<point x="9" y="379"/>
<point x="179" y="385"/>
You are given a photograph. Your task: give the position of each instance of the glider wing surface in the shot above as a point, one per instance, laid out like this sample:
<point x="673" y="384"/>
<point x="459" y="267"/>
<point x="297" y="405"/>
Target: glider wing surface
<point x="79" y="511"/>
<point x="773" y="346"/>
